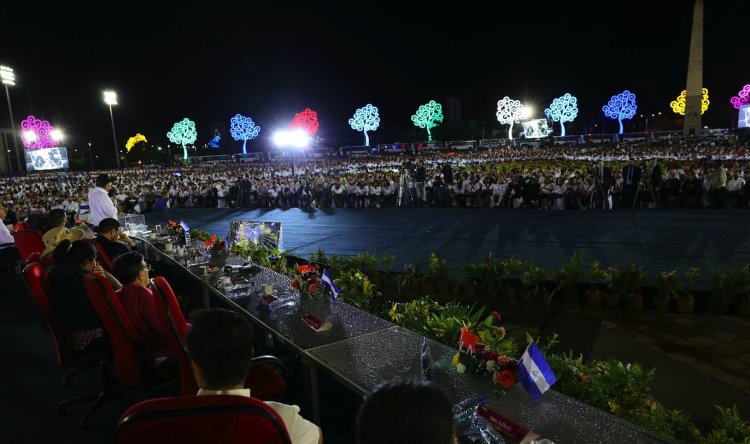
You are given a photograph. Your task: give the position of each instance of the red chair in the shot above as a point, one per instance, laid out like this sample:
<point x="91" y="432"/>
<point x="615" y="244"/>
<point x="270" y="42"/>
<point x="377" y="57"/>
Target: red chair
<point x="21" y="226"/>
<point x="102" y="255"/>
<point x="39" y="288"/>
<point x="37" y="257"/>
<point x="224" y="419"/>
<point x="132" y="357"/>
<point x="263" y="381"/>
<point x="28" y="242"/>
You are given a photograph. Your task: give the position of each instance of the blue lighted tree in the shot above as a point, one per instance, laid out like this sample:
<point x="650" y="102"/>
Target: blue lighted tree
<point x="183" y="133"/>
<point x="243" y="128"/>
<point x="621" y="106"/>
<point x="563" y="109"/>
<point x="365" y="119"/>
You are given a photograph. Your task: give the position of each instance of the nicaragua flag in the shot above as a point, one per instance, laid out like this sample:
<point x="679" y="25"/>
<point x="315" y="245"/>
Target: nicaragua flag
<point x="534" y="372"/>
<point x="326" y="279"/>
<point x="184" y="226"/>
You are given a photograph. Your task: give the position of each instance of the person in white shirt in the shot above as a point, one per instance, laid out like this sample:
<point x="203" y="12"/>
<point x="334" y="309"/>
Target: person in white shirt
<point x="220" y="345"/>
<point x="5" y="236"/>
<point x="100" y="204"/>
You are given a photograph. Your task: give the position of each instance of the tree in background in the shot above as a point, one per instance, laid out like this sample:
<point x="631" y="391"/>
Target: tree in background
<point x="243" y="128"/>
<point x="428" y="116"/>
<point x="365" y="119"/>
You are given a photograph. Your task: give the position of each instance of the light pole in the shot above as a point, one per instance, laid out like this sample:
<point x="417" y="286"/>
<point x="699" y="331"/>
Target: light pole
<point x="8" y="78"/>
<point x="91" y="157"/>
<point x="646" y="117"/>
<point x="110" y="98"/>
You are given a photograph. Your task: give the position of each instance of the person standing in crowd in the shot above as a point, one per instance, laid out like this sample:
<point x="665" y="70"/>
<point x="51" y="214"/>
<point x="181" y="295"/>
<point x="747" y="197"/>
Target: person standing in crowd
<point x="100" y="203"/>
<point x="631" y="177"/>
<point x="657" y="180"/>
<point x="220" y="345"/>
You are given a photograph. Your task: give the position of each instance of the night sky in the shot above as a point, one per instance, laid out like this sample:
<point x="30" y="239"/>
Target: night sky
<point x="270" y="60"/>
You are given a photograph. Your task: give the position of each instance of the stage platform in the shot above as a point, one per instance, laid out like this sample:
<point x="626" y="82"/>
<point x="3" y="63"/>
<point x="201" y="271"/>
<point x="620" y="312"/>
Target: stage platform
<point x="656" y="240"/>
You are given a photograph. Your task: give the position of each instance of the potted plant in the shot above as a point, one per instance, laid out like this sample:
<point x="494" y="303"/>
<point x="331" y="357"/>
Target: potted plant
<point x="569" y="277"/>
<point x="729" y="287"/>
<point x="508" y="268"/>
<point x="534" y="279"/>
<point x="628" y="283"/>
<point x="597" y="276"/>
<point x="685" y="300"/>
<point x="668" y="289"/>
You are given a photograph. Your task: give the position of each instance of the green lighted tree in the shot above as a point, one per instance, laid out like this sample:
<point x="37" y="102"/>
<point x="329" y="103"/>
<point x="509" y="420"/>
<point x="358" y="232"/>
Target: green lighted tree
<point x="183" y="133"/>
<point x="428" y="116"/>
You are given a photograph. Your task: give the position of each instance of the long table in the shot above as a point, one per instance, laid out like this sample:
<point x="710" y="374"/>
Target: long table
<point x="362" y="350"/>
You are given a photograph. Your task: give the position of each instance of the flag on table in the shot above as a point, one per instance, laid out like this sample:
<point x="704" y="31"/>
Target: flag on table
<point x="184" y="226"/>
<point x="534" y="372"/>
<point x="326" y="279"/>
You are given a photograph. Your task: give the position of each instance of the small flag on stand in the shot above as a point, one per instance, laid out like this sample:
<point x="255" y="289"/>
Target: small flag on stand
<point x="184" y="226"/>
<point x="534" y="372"/>
<point x="468" y="340"/>
<point x="326" y="279"/>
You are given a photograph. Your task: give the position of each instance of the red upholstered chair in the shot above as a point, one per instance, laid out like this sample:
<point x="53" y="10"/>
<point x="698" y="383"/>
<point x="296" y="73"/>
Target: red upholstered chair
<point x="263" y="381"/>
<point x="39" y="288"/>
<point x="102" y="255"/>
<point x="28" y="242"/>
<point x="223" y="419"/>
<point x="21" y="226"/>
<point x="37" y="257"/>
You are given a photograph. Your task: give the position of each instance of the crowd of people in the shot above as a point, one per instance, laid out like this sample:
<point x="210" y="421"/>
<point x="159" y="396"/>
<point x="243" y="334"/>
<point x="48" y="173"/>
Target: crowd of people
<point x="692" y="175"/>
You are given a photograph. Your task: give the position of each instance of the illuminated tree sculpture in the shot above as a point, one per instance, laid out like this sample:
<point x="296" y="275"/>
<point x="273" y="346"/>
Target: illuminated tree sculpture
<point x="307" y="120"/>
<point x="365" y="119"/>
<point x="508" y="112"/>
<point x="678" y="105"/>
<point x="183" y="133"/>
<point x="741" y="98"/>
<point x="621" y="106"/>
<point x="36" y="133"/>
<point x="563" y="109"/>
<point x="134" y="140"/>
<point x="243" y="128"/>
<point x="428" y="116"/>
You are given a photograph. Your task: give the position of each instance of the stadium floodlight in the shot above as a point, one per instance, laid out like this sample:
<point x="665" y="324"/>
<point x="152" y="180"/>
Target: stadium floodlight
<point x="295" y="138"/>
<point x="36" y="133"/>
<point x="29" y="138"/>
<point x="8" y="77"/>
<point x="563" y="109"/>
<point x="742" y="97"/>
<point x="56" y="135"/>
<point x="110" y="98"/>
<point x="621" y="106"/>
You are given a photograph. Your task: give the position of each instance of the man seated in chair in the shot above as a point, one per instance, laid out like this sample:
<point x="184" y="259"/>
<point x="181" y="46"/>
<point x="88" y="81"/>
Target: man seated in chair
<point x="135" y="295"/>
<point x="220" y="346"/>
<point x="113" y="241"/>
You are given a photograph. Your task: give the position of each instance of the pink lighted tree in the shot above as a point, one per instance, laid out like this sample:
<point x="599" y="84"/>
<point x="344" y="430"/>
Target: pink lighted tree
<point x="307" y="120"/>
<point x="36" y="133"/>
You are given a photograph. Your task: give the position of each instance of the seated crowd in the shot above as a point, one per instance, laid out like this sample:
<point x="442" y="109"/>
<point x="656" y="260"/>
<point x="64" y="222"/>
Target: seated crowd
<point x="688" y="174"/>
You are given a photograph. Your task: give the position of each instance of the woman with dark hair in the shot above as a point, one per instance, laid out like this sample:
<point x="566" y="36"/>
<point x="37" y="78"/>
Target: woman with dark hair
<point x="406" y="412"/>
<point x="69" y="300"/>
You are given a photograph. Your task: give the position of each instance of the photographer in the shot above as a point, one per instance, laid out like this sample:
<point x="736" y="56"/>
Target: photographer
<point x="631" y="178"/>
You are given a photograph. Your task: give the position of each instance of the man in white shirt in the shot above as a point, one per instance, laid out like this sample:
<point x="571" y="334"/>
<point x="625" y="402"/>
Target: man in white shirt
<point x="220" y="345"/>
<point x="100" y="204"/>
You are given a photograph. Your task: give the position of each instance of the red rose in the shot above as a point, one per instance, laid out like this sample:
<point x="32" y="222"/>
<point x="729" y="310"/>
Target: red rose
<point x="295" y="283"/>
<point x="314" y="288"/>
<point x="491" y="356"/>
<point x="480" y="348"/>
<point x="314" y="280"/>
<point x="496" y="314"/>
<point x="505" y="378"/>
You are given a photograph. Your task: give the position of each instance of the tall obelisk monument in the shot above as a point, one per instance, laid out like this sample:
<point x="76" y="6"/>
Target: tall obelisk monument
<point x="692" y="125"/>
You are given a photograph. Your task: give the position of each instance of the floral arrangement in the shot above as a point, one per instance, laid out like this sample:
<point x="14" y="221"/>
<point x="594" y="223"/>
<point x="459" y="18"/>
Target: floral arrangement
<point x="174" y="228"/>
<point x="199" y="234"/>
<point x="215" y="245"/>
<point x="308" y="281"/>
<point x="486" y="353"/>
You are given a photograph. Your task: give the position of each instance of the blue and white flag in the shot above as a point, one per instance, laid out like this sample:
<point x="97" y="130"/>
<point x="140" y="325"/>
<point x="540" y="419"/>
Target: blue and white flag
<point x="534" y="372"/>
<point x="326" y="279"/>
<point x="184" y="226"/>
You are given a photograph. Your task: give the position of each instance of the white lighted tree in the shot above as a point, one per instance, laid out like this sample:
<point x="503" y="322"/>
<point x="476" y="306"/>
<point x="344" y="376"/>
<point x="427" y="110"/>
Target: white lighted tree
<point x="183" y="133"/>
<point x="508" y="112"/>
<point x="365" y="119"/>
<point x="563" y="109"/>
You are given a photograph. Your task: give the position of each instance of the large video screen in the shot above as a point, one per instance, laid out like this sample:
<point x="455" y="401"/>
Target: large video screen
<point x="535" y="129"/>
<point x="43" y="159"/>
<point x="744" y="119"/>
